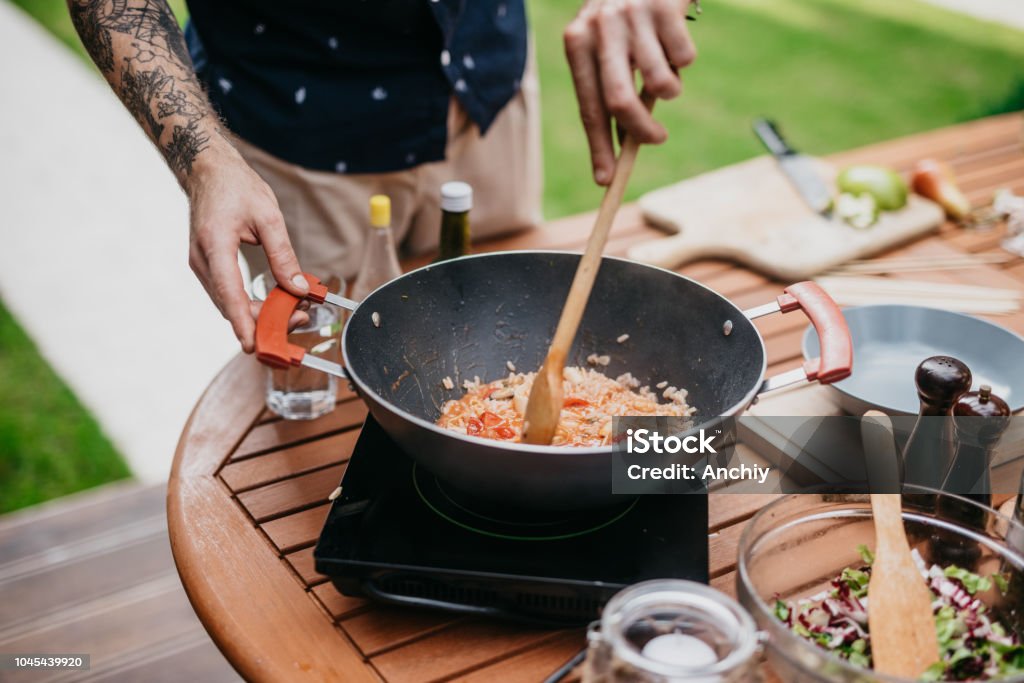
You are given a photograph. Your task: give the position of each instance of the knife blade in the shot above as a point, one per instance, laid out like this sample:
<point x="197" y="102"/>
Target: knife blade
<point x="799" y="168"/>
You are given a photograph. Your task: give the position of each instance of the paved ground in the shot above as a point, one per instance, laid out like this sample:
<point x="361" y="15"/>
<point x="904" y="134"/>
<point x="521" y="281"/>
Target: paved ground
<point x="93" y="574"/>
<point x="94" y="247"/>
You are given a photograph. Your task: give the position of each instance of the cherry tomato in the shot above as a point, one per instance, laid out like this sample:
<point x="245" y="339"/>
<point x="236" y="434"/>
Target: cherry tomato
<point x="572" y="402"/>
<point x="474" y="426"/>
<point x="504" y="433"/>
<point x="490" y="419"/>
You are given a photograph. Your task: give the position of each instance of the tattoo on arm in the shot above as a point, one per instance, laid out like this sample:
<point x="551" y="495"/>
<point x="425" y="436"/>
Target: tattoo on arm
<point x="141" y="51"/>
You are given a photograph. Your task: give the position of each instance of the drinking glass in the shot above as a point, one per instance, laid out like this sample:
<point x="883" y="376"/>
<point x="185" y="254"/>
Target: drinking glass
<point x="301" y="393"/>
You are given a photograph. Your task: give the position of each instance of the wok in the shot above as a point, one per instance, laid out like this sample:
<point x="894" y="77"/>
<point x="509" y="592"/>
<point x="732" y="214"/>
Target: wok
<point x="469" y="316"/>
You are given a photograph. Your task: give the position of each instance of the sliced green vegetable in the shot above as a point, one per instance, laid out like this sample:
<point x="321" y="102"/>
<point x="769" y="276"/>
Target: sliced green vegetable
<point x="860" y="211"/>
<point x="781" y="611"/>
<point x="857" y="581"/>
<point x="886" y="186"/>
<point x="971" y="581"/>
<point x="866" y="554"/>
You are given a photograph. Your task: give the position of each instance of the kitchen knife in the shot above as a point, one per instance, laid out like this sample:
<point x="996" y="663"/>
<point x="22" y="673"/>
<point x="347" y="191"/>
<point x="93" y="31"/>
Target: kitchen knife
<point x="799" y="168"/>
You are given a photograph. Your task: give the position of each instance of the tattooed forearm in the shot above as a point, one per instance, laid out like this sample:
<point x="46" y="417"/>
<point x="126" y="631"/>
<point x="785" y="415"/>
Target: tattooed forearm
<point x="94" y="36"/>
<point x="186" y="143"/>
<point x="139" y="90"/>
<point x="141" y="51"/>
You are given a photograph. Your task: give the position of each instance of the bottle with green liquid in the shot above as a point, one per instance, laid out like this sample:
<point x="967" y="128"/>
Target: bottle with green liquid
<point x="456" y="201"/>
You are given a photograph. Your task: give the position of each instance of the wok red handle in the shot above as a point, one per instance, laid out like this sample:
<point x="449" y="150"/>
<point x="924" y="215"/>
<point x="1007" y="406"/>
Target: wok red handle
<point x="272" y="345"/>
<point x="836" y="361"/>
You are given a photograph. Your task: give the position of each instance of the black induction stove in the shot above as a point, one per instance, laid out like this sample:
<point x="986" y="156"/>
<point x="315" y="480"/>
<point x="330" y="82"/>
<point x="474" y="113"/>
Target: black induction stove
<point x="398" y="534"/>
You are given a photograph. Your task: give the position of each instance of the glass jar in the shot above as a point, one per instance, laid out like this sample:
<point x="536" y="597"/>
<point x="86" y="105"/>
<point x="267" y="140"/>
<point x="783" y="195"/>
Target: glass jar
<point x="669" y="630"/>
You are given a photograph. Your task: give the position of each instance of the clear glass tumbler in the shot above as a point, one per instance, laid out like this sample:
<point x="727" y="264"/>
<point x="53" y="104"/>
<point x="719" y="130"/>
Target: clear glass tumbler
<point x="301" y="393"/>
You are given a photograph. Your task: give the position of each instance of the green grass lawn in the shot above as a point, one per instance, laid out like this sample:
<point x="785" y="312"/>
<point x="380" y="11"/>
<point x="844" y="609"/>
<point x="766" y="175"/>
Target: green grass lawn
<point x="835" y="74"/>
<point x="49" y="444"/>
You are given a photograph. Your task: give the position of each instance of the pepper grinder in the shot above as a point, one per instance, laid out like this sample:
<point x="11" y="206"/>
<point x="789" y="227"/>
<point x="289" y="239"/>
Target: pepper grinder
<point x="940" y="380"/>
<point x="979" y="420"/>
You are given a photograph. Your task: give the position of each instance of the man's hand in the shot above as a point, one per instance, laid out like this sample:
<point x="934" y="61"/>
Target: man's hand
<point x="230" y="204"/>
<point x="605" y="43"/>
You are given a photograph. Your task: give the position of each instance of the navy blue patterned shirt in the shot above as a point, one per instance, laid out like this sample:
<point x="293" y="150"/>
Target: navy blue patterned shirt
<point x="356" y="86"/>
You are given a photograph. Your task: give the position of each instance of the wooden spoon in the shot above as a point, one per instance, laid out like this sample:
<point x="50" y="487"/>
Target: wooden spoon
<point x="545" y="404"/>
<point x="900" y="618"/>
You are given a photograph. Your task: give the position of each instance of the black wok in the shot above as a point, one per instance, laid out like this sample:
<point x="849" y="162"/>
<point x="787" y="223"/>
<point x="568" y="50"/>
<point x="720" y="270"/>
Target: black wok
<point x="467" y="317"/>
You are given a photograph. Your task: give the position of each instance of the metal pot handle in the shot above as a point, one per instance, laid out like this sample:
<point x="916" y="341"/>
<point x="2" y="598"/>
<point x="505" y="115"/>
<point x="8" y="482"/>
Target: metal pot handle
<point x="836" y="360"/>
<point x="272" y="345"/>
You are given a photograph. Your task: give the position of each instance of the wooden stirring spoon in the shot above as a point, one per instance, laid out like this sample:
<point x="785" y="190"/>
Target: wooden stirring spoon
<point x="900" y="617"/>
<point x="545" y="404"/>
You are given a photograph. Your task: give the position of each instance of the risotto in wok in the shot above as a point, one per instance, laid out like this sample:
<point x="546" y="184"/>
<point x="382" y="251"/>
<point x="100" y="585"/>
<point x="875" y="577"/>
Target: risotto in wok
<point x="495" y="410"/>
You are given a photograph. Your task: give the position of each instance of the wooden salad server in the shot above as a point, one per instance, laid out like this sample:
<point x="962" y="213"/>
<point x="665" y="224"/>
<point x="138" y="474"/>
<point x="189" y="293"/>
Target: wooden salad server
<point x="900" y="618"/>
<point x="546" y="395"/>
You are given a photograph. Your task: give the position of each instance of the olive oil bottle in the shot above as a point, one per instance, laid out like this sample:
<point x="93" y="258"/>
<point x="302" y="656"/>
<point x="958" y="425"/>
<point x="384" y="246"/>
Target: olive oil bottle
<point x="456" y="201"/>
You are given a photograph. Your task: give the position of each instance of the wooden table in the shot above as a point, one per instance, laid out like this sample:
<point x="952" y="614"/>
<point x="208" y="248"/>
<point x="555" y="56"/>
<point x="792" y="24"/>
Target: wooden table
<point x="248" y="492"/>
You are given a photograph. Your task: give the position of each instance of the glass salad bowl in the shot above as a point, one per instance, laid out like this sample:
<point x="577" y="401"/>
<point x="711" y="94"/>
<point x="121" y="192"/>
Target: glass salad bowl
<point x="794" y="548"/>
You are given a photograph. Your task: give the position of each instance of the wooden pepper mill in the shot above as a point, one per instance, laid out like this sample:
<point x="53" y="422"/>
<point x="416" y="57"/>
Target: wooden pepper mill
<point x="979" y="420"/>
<point x="940" y="380"/>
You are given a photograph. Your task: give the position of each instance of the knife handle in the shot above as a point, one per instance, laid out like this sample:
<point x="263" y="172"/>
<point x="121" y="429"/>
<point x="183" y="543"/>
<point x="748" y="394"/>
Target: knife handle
<point x="770" y="136"/>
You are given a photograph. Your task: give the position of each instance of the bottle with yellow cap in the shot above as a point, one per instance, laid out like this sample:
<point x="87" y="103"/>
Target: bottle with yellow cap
<point x="380" y="261"/>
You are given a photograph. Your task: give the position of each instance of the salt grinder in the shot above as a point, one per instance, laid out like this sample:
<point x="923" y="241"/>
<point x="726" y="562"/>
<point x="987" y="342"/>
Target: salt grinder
<point x="940" y="380"/>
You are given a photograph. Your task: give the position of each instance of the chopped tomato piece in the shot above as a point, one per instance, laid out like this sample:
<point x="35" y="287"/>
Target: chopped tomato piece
<point x="490" y="419"/>
<point x="474" y="426"/>
<point x="573" y="402"/>
<point x="504" y="433"/>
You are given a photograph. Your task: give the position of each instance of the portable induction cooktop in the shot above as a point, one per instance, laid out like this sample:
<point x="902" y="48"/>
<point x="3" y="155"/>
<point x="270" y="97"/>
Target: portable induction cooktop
<point x="398" y="534"/>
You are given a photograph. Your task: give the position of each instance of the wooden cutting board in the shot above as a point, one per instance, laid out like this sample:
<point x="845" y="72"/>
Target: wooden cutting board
<point x="749" y="212"/>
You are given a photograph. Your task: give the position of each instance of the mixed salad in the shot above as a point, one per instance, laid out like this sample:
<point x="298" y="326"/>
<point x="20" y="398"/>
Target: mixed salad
<point x="974" y="646"/>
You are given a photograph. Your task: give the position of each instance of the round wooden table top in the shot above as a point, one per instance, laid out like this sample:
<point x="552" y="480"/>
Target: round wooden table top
<point x="249" y="492"/>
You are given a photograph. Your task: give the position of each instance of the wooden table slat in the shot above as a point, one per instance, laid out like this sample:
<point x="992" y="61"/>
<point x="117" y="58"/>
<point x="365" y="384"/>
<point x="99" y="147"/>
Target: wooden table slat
<point x="996" y="154"/>
<point x="271" y="436"/>
<point x="993" y="174"/>
<point x="723" y="543"/>
<point x="337" y="605"/>
<point x="302" y="563"/>
<point x="731" y="508"/>
<point x="459" y="649"/>
<point x="311" y="455"/>
<point x="530" y="666"/>
<point x="944" y="143"/>
<point x="292" y="495"/>
<point x="298" y="530"/>
<point x="386" y="627"/>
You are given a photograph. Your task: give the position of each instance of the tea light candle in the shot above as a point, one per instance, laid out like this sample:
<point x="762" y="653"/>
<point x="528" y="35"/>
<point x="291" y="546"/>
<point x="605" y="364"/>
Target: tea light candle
<point x="682" y="651"/>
